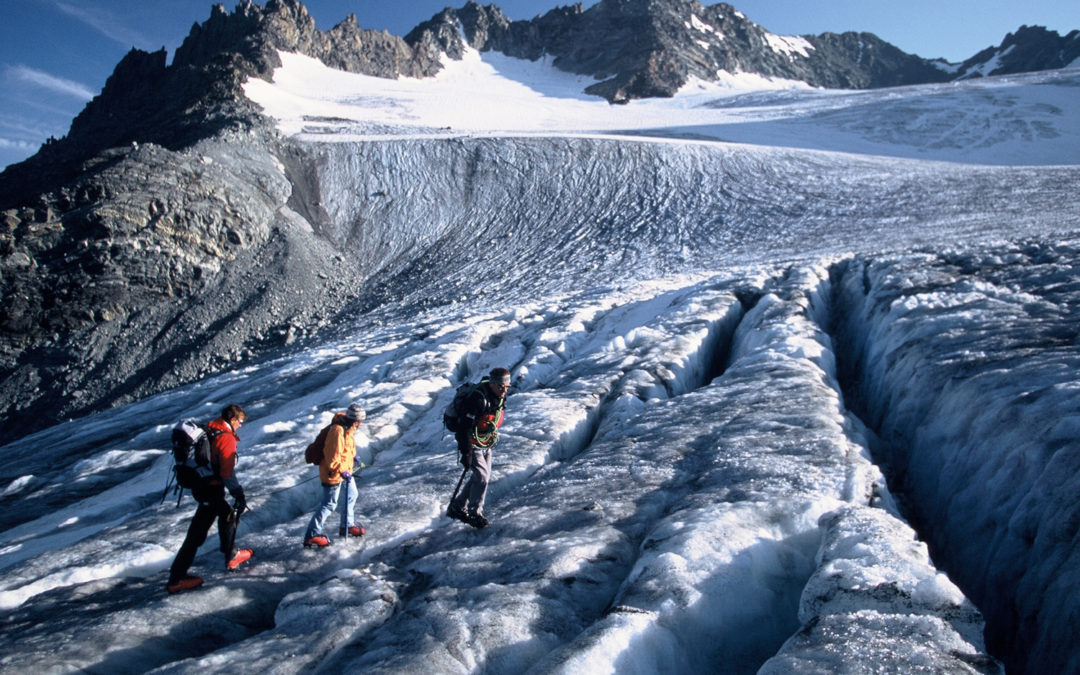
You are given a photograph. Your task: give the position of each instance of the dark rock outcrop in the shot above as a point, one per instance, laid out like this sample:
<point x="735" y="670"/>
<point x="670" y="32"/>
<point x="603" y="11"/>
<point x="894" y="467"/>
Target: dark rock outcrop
<point x="864" y="61"/>
<point x="157" y="268"/>
<point x="1028" y="49"/>
<point x="163" y="238"/>
<point x="200" y="94"/>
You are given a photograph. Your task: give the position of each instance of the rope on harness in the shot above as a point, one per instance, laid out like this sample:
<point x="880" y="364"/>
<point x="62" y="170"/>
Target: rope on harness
<point x="485" y="440"/>
<point x="490" y="438"/>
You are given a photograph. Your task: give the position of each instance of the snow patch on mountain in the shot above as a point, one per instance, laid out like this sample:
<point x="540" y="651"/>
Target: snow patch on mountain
<point x="984" y="69"/>
<point x="790" y="45"/>
<point x="699" y="25"/>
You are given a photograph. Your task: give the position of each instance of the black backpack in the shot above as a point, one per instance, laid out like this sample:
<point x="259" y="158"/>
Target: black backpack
<point x="452" y="414"/>
<point x="191" y="452"/>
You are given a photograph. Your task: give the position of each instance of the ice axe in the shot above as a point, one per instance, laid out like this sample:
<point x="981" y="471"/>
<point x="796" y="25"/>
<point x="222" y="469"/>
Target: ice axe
<point x="168" y="485"/>
<point x="234" y="518"/>
<point x="459" y="481"/>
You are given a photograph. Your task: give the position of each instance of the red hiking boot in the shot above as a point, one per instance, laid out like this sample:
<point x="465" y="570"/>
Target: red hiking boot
<point x="318" y="540"/>
<point x="185" y="583"/>
<point x="241" y="557"/>
<point x="353" y="531"/>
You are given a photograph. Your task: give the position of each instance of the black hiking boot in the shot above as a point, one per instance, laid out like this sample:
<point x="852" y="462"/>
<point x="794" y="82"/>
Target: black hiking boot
<point x="457" y="513"/>
<point x="477" y="520"/>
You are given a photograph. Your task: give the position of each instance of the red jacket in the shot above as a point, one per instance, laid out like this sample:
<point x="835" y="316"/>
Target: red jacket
<point x="223" y="449"/>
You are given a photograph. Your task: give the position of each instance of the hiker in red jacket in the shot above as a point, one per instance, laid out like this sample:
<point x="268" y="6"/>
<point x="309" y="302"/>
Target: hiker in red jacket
<point x="210" y="493"/>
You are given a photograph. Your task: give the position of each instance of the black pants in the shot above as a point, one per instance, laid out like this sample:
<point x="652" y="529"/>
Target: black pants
<point x="212" y="505"/>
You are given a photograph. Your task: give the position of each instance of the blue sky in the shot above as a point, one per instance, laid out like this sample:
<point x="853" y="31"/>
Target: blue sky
<point x="56" y="54"/>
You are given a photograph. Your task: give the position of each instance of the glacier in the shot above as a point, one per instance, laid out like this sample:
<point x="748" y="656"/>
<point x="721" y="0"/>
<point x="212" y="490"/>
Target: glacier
<point x="794" y="391"/>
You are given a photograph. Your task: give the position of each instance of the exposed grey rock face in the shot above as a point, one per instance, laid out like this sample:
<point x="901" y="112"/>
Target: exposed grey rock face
<point x="134" y="255"/>
<point x="200" y="95"/>
<point x="864" y="61"/>
<point x="159" y="267"/>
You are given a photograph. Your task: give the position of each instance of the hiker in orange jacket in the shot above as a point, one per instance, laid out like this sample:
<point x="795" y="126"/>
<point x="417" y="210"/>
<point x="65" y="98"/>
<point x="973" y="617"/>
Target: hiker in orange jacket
<point x="210" y="493"/>
<point x="335" y="470"/>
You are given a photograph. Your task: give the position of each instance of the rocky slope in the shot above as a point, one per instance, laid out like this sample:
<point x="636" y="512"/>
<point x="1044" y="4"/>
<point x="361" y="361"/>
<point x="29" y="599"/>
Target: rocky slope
<point x="150" y="245"/>
<point x="157" y="268"/>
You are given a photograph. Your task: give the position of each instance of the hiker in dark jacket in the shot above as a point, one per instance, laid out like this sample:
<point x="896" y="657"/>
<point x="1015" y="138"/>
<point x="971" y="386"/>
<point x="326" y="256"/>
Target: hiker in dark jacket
<point x="335" y="471"/>
<point x="210" y="493"/>
<point x="478" y="432"/>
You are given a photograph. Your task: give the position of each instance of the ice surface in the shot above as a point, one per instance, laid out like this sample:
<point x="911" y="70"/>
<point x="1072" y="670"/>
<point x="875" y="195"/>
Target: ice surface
<point x="969" y="369"/>
<point x="876" y="598"/>
<point x="719" y="350"/>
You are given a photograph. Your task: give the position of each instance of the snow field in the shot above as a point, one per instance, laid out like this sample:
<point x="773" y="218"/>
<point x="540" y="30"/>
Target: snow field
<point x="1014" y="120"/>
<point x="506" y="209"/>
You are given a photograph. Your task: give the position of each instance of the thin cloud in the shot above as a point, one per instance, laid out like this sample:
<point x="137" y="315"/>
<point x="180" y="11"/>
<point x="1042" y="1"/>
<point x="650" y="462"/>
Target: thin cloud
<point x="57" y="85"/>
<point x="106" y="24"/>
<point x="12" y="126"/>
<point x="22" y="146"/>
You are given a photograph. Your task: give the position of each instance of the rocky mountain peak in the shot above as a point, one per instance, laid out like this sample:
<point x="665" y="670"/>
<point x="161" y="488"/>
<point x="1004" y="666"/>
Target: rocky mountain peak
<point x="199" y="95"/>
<point x="1029" y="48"/>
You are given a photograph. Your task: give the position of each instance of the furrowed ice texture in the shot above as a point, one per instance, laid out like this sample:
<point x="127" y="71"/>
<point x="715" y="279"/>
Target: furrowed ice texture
<point x="966" y="362"/>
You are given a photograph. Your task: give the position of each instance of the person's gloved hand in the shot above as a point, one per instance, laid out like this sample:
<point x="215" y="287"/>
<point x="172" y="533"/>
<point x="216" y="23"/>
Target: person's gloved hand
<point x="240" y="505"/>
<point x="466" y="460"/>
<point x="346" y="475"/>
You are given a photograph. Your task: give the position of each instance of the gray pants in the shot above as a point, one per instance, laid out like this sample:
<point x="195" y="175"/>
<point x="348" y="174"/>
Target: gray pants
<point x="471" y="496"/>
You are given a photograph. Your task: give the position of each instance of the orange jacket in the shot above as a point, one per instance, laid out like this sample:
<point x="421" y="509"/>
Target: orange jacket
<point x="339" y="453"/>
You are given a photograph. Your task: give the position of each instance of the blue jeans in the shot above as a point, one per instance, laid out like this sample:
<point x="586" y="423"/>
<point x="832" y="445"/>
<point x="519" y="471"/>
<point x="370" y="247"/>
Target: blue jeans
<point x="329" y="503"/>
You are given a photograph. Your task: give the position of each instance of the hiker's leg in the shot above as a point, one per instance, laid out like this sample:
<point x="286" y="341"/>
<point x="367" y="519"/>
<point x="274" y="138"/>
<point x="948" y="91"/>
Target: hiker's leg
<point x="347" y="517"/>
<point x="465" y="448"/>
<point x="196" y="535"/>
<point x="476" y="489"/>
<point x="329" y="503"/>
<point x="226" y="527"/>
